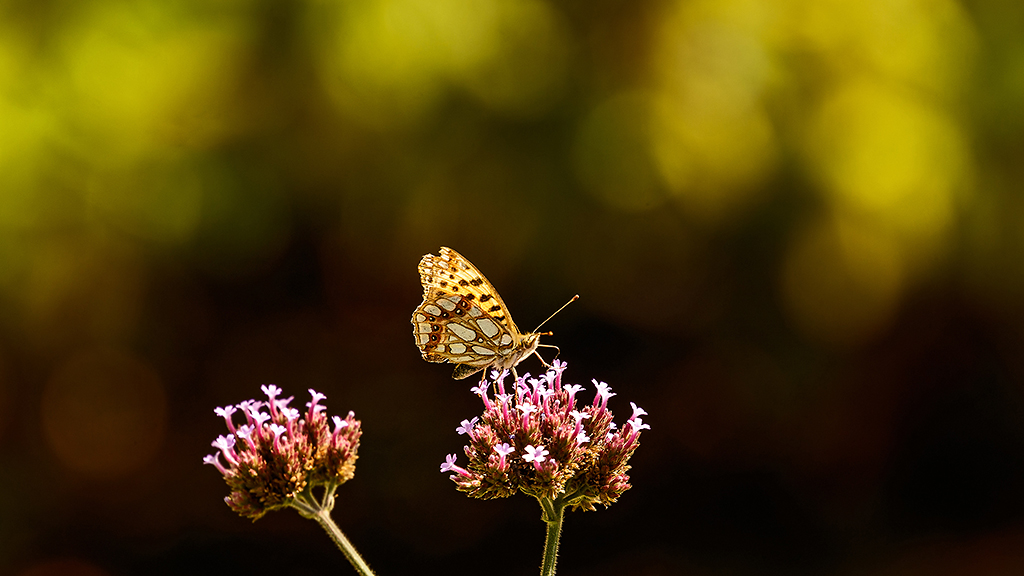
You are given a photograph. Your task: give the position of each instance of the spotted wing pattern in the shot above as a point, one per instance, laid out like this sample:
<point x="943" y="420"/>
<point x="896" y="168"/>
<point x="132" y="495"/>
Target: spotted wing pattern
<point x="463" y="320"/>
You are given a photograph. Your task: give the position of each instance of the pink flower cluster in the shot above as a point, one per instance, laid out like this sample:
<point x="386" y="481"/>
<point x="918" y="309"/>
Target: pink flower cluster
<point x="279" y="453"/>
<point x="538" y="440"/>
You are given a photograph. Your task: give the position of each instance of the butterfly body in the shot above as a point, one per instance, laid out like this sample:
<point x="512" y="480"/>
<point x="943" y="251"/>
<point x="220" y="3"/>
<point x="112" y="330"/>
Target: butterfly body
<point x="463" y="320"/>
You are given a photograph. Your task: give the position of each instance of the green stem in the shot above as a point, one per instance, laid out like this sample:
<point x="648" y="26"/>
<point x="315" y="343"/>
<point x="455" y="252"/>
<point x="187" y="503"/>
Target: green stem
<point x="552" y="516"/>
<point x="319" y="509"/>
<point x="323" y="517"/>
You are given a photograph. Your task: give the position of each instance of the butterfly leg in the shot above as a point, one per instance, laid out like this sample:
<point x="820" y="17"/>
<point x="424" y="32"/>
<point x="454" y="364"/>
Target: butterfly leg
<point x="541" y="358"/>
<point x="557" y="352"/>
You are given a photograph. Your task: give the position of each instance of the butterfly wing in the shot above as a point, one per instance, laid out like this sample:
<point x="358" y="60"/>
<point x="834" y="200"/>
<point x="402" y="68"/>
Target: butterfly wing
<point x="451" y="272"/>
<point x="462" y="319"/>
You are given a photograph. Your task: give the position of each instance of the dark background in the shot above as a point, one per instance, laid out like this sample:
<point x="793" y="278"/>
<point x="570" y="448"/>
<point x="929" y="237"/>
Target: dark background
<point x="795" y="227"/>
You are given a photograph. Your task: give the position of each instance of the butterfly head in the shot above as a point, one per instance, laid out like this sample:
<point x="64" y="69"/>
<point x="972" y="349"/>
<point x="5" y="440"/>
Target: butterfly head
<point x="530" y="343"/>
<point x="527" y="346"/>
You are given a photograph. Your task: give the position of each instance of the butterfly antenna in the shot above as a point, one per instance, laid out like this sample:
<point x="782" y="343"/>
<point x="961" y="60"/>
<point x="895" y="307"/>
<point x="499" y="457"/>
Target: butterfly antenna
<point x="571" y="300"/>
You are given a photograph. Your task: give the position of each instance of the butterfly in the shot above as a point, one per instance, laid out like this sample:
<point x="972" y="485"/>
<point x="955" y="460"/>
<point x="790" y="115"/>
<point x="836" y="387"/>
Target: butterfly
<point x="463" y="320"/>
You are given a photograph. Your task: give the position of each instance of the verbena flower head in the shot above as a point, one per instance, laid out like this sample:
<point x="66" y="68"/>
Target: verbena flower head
<point x="280" y="453"/>
<point x="540" y="439"/>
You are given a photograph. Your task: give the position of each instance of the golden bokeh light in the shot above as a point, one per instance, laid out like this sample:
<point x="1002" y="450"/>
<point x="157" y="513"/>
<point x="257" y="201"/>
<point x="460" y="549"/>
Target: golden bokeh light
<point x="27" y="127"/>
<point x="526" y="71"/>
<point x="389" y="62"/>
<point x="111" y="116"/>
<point x="925" y="44"/>
<point x="173" y="74"/>
<point x="712" y="138"/>
<point x="104" y="413"/>
<point x="713" y="163"/>
<point x="885" y="155"/>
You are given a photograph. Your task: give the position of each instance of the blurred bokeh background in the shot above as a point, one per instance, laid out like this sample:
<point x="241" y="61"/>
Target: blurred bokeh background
<point x="796" y="226"/>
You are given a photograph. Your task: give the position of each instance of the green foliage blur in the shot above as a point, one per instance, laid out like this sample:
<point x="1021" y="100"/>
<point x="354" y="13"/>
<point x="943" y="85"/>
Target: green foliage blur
<point x="796" y="227"/>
